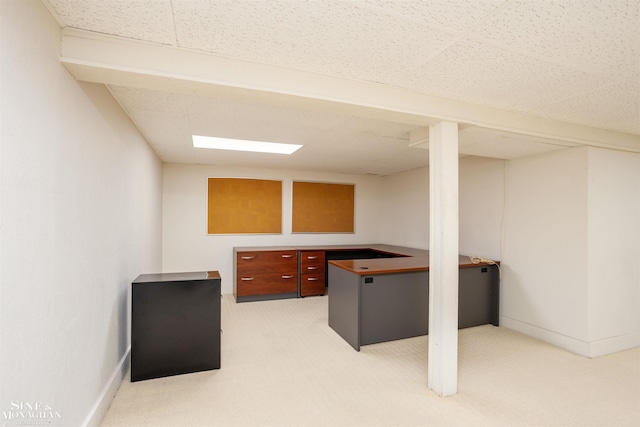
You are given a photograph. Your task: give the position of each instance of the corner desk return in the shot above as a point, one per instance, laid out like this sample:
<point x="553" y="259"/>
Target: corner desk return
<point x="376" y="292"/>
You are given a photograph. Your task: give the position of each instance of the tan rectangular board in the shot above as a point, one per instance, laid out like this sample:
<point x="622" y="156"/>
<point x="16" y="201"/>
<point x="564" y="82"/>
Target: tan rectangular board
<point x="323" y="207"/>
<point x="243" y="205"/>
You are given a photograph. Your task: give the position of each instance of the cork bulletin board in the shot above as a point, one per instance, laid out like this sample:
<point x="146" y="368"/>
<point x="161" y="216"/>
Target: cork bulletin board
<point x="322" y="208"/>
<point x="239" y="206"/>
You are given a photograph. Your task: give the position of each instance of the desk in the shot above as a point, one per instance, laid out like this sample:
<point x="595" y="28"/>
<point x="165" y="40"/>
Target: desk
<point x="175" y="324"/>
<point x="276" y="272"/>
<point x="379" y="300"/>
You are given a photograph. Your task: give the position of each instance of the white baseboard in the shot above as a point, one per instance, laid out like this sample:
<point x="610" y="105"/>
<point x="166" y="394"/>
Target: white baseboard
<point x="583" y="348"/>
<point x="97" y="413"/>
<point x="614" y="344"/>
<point x="562" y="341"/>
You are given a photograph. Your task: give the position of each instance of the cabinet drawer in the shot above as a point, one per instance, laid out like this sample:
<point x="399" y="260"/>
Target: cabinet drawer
<point x="266" y="283"/>
<point x="312" y="269"/>
<point x="311" y="259"/>
<point x="312" y="284"/>
<point x="285" y="262"/>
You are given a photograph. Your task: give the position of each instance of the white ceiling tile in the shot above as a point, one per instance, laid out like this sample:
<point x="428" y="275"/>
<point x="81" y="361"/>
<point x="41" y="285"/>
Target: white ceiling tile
<point x="249" y="114"/>
<point x="173" y="154"/>
<point x="455" y="16"/>
<point x="477" y="141"/>
<point x="614" y="107"/>
<point x="486" y="74"/>
<point x="594" y="36"/>
<point x="162" y="128"/>
<point x="148" y="20"/>
<point x="370" y="127"/>
<point x="331" y="37"/>
<point x="144" y="99"/>
<point x="244" y="159"/>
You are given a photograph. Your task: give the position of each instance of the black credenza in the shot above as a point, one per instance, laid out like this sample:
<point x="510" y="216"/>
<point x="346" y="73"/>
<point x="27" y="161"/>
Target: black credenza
<point x="175" y="324"/>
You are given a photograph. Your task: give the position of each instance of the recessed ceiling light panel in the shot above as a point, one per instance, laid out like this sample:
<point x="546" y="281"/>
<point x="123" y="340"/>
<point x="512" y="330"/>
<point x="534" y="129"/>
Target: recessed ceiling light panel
<point x="243" y="145"/>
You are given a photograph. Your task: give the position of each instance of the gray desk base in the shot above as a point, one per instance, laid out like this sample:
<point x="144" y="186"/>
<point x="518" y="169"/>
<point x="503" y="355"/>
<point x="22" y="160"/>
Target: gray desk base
<point x="384" y="307"/>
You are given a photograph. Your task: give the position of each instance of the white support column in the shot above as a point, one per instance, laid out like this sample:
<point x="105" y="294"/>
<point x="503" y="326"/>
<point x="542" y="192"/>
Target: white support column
<point x="443" y="259"/>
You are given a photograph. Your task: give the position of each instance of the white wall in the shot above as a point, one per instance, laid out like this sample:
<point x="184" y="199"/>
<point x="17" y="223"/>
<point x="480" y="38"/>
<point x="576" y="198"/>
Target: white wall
<point x="187" y="247"/>
<point x="614" y="251"/>
<point x="482" y="203"/>
<point x="545" y="274"/>
<point x="406" y="209"/>
<point x="79" y="220"/>
<point x="572" y="243"/>
<point x="481" y="193"/>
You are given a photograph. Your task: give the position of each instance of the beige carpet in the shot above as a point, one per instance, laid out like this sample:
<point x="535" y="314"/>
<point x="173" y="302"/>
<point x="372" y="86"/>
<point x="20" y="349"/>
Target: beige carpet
<point x="283" y="366"/>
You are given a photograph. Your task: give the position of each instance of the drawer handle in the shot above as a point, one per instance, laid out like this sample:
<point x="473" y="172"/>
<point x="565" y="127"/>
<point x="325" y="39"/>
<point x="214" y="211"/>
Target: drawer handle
<point x="312" y="268"/>
<point x="287" y="277"/>
<point x="312" y="257"/>
<point x="287" y="256"/>
<point x="313" y="279"/>
<point x="247" y="257"/>
<point x="246" y="279"/>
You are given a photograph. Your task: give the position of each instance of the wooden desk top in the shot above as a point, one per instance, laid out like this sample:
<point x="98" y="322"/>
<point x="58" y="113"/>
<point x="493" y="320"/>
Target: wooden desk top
<point x="410" y="259"/>
<point x="415" y="260"/>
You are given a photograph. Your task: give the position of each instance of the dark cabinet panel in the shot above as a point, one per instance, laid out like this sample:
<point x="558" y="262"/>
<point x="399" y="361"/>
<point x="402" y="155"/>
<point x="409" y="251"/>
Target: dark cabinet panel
<point x="175" y="324"/>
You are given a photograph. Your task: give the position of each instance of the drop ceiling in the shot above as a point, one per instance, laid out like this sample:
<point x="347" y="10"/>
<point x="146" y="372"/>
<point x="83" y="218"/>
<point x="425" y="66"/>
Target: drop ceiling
<point x="520" y="76"/>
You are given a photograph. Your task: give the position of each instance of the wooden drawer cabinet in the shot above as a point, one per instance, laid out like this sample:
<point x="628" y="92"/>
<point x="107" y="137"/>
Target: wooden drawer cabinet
<point x="267" y="283"/>
<point x="312" y="273"/>
<point x="265" y="274"/>
<point x="267" y="261"/>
